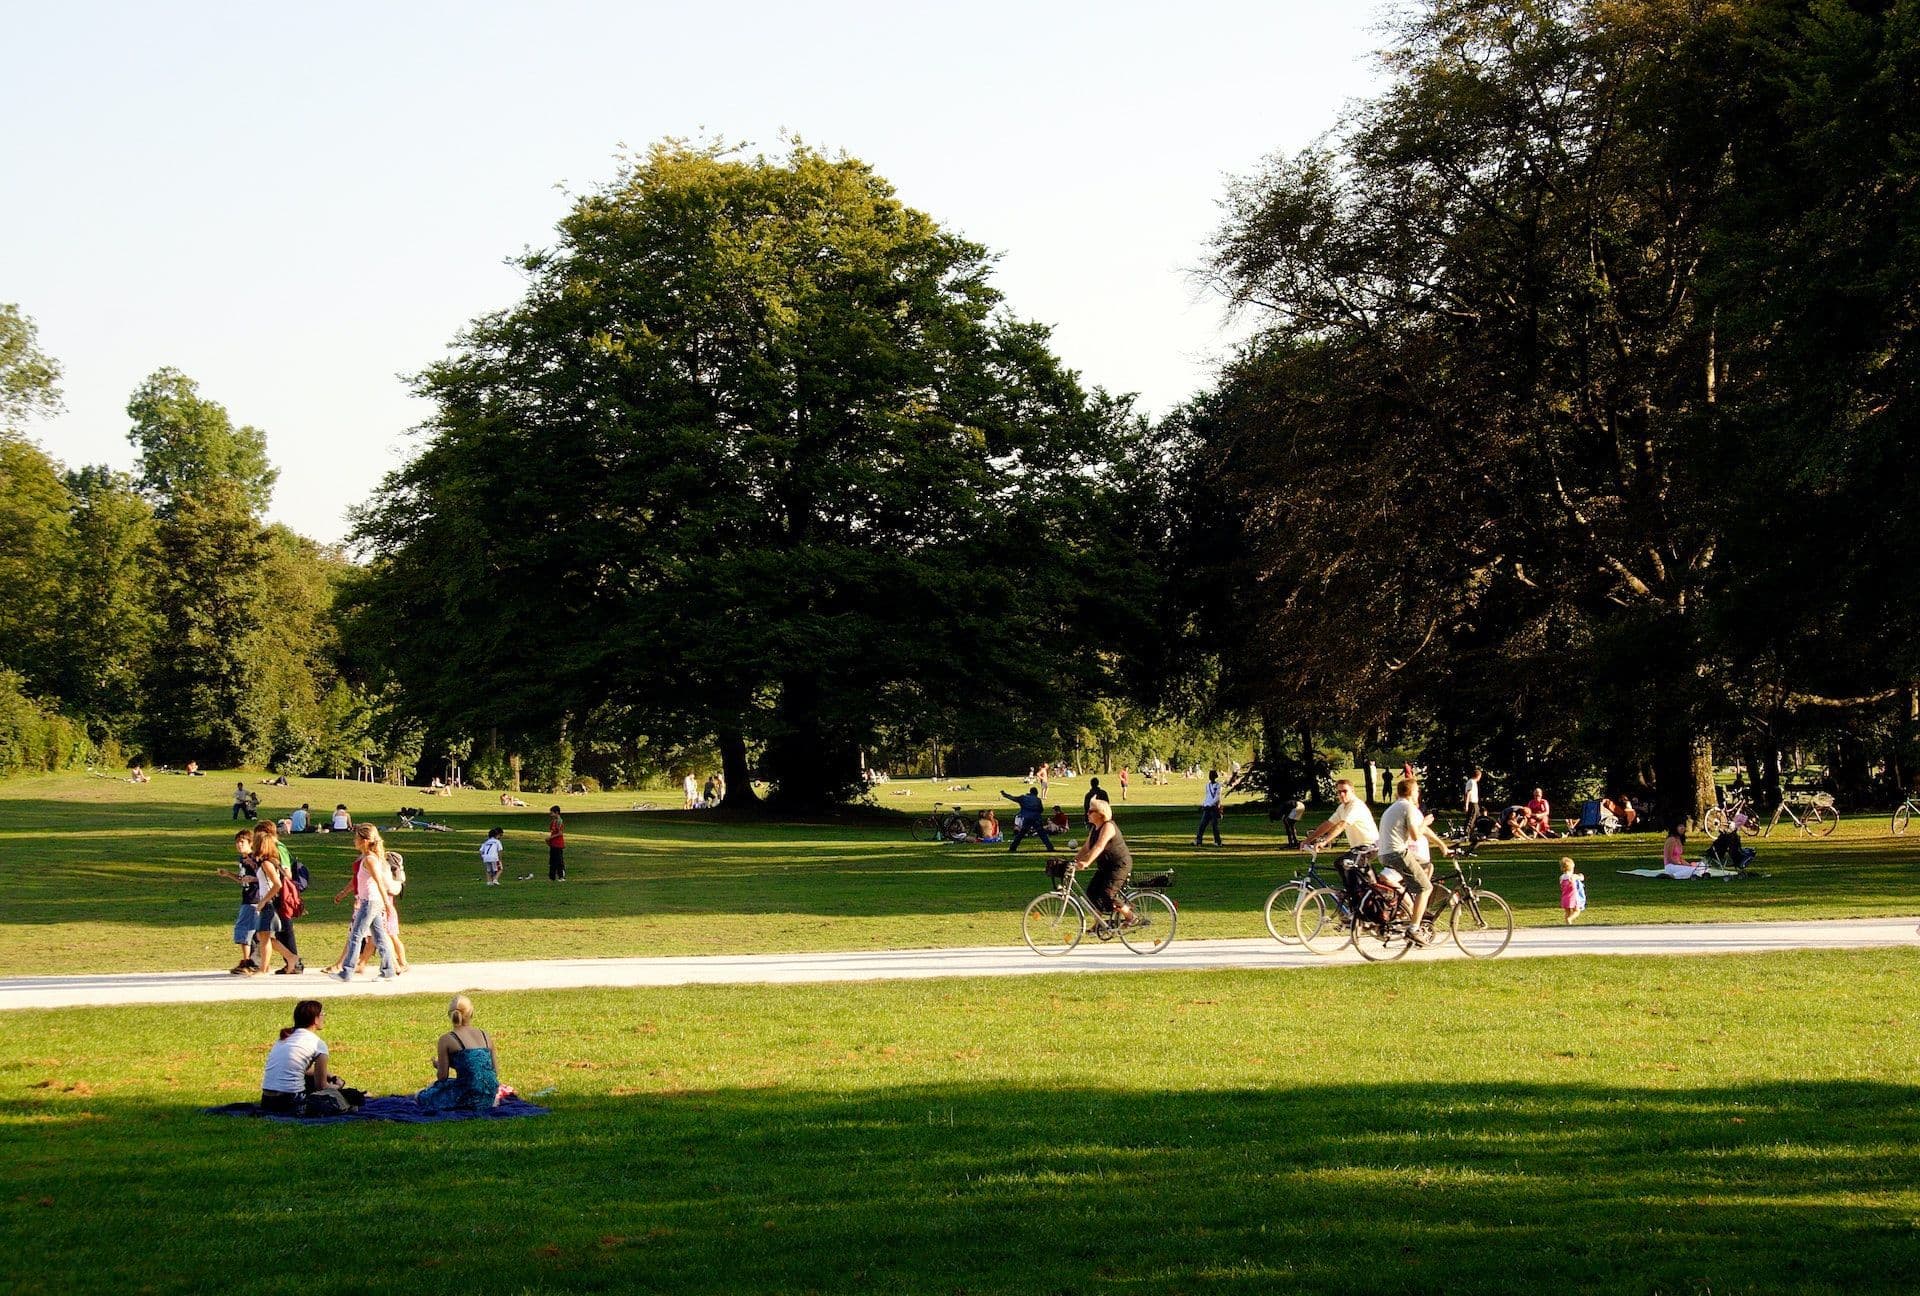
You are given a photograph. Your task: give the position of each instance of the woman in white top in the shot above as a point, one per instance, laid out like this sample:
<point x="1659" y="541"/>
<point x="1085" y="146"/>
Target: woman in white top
<point x="342" y="821"/>
<point x="297" y="1064"/>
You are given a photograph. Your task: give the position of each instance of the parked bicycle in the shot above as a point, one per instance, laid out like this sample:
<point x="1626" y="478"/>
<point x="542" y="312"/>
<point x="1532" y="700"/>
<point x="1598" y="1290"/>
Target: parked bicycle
<point x="1814" y="816"/>
<point x="1735" y="810"/>
<point x="1366" y="912"/>
<point x="1287" y="896"/>
<point x="941" y="825"/>
<point x="1055" y="921"/>
<point x="1904" y="816"/>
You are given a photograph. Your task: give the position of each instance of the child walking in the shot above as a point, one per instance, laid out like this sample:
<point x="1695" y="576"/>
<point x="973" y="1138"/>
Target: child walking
<point x="1573" y="891"/>
<point x="490" y="852"/>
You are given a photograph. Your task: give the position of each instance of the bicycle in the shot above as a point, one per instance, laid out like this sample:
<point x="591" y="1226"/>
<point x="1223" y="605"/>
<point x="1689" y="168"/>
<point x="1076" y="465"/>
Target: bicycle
<point x="1365" y="912"/>
<point x="1819" y="820"/>
<point x="1287" y="896"/>
<point x="1737" y="810"/>
<point x="941" y="825"/>
<point x="1055" y="921"/>
<point x="1903" y="816"/>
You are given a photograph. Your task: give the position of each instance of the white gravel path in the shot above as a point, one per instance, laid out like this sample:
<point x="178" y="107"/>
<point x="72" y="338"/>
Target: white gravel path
<point x="885" y="965"/>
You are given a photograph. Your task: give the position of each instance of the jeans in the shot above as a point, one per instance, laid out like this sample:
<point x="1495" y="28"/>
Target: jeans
<point x="556" y="863"/>
<point x="1209" y="818"/>
<point x="368" y="913"/>
<point x="1022" y="829"/>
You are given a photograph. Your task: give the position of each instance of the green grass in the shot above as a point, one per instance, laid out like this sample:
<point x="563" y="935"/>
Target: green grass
<point x="104" y="876"/>
<point x="1714" y="1125"/>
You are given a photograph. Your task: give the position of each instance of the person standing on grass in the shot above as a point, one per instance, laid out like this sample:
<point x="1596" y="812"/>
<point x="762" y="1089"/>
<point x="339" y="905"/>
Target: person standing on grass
<point x="1573" y="891"/>
<point x="491" y="852"/>
<point x="1123" y="783"/>
<point x="692" y="791"/>
<point x="1094" y="793"/>
<point x="557" y="845"/>
<point x="1210" y="810"/>
<point x="1030" y="819"/>
<point x="1471" y="804"/>
<point x="372" y="892"/>
<point x="240" y="805"/>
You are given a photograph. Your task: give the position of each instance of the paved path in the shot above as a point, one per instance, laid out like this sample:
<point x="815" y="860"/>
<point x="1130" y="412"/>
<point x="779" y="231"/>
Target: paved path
<point x="884" y="965"/>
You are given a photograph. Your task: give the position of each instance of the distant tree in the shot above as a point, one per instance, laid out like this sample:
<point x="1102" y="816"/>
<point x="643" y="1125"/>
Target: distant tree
<point x="35" y="528"/>
<point x="29" y="378"/>
<point x="207" y="595"/>
<point x="107" y="621"/>
<point x="758" y="457"/>
<point x="188" y="444"/>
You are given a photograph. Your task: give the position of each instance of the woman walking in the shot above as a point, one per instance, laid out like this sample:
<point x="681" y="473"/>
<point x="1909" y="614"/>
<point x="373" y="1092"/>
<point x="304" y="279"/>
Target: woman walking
<point x="373" y="895"/>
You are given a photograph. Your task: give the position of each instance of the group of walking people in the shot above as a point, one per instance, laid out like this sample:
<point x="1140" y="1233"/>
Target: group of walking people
<point x="271" y="884"/>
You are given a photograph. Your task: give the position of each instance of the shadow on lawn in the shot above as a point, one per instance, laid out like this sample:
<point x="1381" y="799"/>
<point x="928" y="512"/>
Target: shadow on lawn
<point x="1341" y="1187"/>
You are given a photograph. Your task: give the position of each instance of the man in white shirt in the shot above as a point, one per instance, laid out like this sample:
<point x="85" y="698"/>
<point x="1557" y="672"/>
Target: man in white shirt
<point x="1210" y="809"/>
<point x="1350" y="815"/>
<point x="1472" y="804"/>
<point x="1402" y="825"/>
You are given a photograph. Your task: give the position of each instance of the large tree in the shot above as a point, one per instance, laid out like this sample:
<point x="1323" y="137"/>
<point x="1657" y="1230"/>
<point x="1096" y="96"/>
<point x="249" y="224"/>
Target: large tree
<point x="759" y="457"/>
<point x="188" y="444"/>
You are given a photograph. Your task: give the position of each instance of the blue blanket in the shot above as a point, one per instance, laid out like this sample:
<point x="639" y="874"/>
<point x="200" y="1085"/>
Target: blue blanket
<point x="396" y="1107"/>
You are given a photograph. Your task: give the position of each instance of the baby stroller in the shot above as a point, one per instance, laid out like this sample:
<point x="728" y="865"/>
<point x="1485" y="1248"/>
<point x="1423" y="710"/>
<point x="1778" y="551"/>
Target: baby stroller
<point x="1729" y="852"/>
<point x="1595" y="820"/>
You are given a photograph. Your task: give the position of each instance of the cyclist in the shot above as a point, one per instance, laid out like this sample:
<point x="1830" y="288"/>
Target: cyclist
<point x="1112" y="862"/>
<point x="1404" y="830"/>
<point x="1350" y="815"/>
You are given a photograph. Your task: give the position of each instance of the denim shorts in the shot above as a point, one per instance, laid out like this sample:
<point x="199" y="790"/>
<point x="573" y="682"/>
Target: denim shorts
<point x="246" y="924"/>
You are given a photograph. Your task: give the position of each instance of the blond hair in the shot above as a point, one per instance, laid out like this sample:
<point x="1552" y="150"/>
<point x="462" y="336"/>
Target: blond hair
<point x="369" y="834"/>
<point x="1566" y="863"/>
<point x="1103" y="806"/>
<point x="460" y="1011"/>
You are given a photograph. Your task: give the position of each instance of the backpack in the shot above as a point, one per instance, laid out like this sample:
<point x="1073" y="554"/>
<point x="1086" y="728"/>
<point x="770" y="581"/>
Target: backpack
<point x="301" y="878"/>
<point x="288" y="901"/>
<point x="397" y="866"/>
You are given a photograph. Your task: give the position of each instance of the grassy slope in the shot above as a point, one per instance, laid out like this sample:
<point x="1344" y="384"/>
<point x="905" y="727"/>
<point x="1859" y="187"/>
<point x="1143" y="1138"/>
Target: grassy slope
<point x="98" y="875"/>
<point x="1671" y="1125"/>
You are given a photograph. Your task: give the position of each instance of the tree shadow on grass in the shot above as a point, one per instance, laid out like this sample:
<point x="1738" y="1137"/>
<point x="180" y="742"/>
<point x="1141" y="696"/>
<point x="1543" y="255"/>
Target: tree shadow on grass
<point x="990" y="1188"/>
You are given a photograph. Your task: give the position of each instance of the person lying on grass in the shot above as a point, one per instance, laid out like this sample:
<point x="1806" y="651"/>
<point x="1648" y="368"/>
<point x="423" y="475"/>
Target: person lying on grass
<point x="297" y="1080"/>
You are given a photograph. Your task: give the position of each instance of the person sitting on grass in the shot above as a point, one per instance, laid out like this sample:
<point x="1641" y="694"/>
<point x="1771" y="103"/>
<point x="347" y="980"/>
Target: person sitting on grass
<point x="342" y="821"/>
<point x="297" y="1080"/>
<point x="508" y="800"/>
<point x="137" y="775"/>
<point x="1674" y="863"/>
<point x="467" y="1052"/>
<point x="1538" y="812"/>
<point x="1112" y="862"/>
<point x="1060" y="823"/>
<point x="989" y="826"/>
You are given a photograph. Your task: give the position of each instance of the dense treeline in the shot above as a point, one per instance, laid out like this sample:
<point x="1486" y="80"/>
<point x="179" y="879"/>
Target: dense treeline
<point x="1576" y="434"/>
<point x="1574" y="439"/>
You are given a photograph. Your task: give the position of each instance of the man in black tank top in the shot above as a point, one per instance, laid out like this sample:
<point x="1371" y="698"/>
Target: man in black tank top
<point x="1112" y="862"/>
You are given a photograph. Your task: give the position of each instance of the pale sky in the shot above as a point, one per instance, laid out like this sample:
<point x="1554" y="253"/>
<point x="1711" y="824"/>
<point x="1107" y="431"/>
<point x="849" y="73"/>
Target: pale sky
<point x="297" y="205"/>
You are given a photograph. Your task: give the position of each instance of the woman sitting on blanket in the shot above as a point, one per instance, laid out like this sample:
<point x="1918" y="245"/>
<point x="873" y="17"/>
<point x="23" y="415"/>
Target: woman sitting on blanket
<point x="297" y="1081"/>
<point x="467" y="1052"/>
<point x="1675" y="864"/>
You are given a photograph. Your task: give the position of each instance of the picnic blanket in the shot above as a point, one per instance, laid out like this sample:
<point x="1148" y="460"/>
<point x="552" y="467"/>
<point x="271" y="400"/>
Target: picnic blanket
<point x="1727" y="874"/>
<point x="402" y="1109"/>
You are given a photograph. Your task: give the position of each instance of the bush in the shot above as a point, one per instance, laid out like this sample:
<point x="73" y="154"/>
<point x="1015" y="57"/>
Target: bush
<point x="34" y="737"/>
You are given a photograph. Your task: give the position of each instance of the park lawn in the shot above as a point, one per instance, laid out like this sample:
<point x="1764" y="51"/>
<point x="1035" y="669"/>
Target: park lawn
<point x="100" y="876"/>
<point x="1726" y="1124"/>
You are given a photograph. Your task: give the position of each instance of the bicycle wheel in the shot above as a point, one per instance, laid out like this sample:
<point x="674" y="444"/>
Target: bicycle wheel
<point x="1820" y="821"/>
<point x="921" y="829"/>
<point x="1320" y="922"/>
<point x="1155" y="918"/>
<point x="1482" y="924"/>
<point x="1378" y="942"/>
<point x="1901" y="818"/>
<point x="1053" y="924"/>
<point x="1714" y="822"/>
<point x="1279" y="912"/>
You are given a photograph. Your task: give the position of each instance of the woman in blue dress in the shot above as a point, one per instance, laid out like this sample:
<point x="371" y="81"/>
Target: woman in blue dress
<point x="466" y="1063"/>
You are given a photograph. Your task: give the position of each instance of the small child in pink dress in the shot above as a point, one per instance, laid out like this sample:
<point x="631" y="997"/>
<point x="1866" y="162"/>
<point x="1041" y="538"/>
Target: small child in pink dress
<point x="1573" y="891"/>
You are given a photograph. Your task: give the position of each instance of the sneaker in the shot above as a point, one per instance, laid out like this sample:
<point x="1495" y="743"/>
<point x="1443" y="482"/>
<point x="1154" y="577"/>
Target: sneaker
<point x="389" y="976"/>
<point x="342" y="975"/>
<point x="1419" y="937"/>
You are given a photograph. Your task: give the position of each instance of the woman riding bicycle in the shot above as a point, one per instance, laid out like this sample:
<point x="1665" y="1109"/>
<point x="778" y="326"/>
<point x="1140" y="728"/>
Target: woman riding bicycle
<point x="1112" y="863"/>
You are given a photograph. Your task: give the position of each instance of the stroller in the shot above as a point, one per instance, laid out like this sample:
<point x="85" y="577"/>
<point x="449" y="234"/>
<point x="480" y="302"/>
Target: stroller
<point x="1595" y="820"/>
<point x="1729" y="852"/>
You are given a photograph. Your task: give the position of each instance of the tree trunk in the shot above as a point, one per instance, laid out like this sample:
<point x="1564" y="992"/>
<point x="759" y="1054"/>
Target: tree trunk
<point x="1770" y="774"/>
<point x="1683" y="780"/>
<point x="736" y="772"/>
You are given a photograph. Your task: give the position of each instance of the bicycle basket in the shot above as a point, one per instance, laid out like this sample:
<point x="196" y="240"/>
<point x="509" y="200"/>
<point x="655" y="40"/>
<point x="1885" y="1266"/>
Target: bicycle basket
<point x="1824" y="800"/>
<point x="1158" y="882"/>
<point x="1056" y="868"/>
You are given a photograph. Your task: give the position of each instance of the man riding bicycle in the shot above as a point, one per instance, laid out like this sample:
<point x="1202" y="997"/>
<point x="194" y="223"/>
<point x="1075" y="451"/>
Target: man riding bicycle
<point x="1403" y="830"/>
<point x="1350" y="815"/>
<point x="1112" y="863"/>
